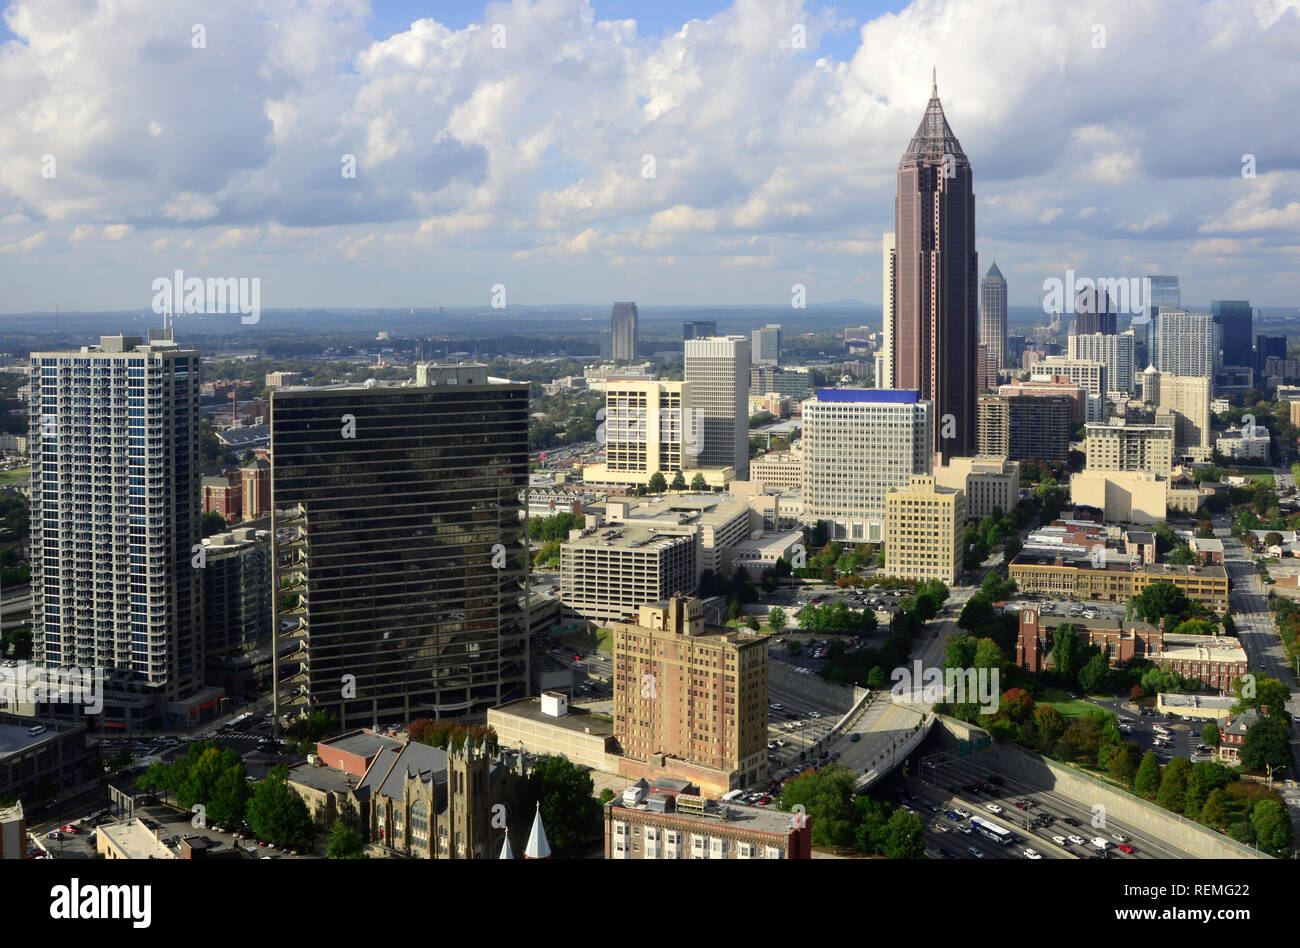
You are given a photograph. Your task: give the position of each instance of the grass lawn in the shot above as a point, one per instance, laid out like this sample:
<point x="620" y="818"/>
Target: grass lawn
<point x="1260" y="475"/>
<point x="12" y="477"/>
<point x="605" y="640"/>
<point x="1069" y="707"/>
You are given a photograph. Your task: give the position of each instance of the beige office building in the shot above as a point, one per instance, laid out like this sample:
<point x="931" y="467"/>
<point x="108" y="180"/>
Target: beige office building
<point x="608" y="573"/>
<point x="685" y="691"/>
<point x="1086" y="373"/>
<point x="1119" y="446"/>
<point x="1188" y="397"/>
<point x="990" y="483"/>
<point x="780" y="469"/>
<point x="649" y="427"/>
<point x="925" y="523"/>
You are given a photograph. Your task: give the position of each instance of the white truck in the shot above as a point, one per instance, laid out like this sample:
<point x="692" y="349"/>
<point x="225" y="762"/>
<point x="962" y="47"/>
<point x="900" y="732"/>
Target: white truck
<point x="1102" y="844"/>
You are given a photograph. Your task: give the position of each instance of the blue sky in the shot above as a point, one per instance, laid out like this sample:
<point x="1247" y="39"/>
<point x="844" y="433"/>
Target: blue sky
<point x="695" y="157"/>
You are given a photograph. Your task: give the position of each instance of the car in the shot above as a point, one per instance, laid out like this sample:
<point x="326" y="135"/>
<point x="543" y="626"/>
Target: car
<point x="777" y="707"/>
<point x="965" y="828"/>
<point x="947" y="854"/>
<point x="577" y="658"/>
<point x="69" y="829"/>
<point x="993" y="808"/>
<point x="1020" y="805"/>
<point x="1032" y="854"/>
<point x="1119" y="837"/>
<point x="1077" y="840"/>
<point x="54" y="834"/>
<point x="1071" y="821"/>
<point x="940" y="828"/>
<point x="854" y="737"/>
<point x="931" y="807"/>
<point x="790" y="716"/>
<point x="975" y="852"/>
<point x="1126" y="848"/>
<point x="963" y="813"/>
<point x="1060" y="840"/>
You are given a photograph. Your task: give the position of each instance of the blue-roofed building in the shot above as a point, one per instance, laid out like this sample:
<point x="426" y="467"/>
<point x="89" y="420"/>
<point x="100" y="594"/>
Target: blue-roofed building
<point x="857" y="444"/>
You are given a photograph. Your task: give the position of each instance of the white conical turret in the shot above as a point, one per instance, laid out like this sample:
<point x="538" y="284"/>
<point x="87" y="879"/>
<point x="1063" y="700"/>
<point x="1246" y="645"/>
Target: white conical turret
<point x="506" y="851"/>
<point x="538" y="847"/>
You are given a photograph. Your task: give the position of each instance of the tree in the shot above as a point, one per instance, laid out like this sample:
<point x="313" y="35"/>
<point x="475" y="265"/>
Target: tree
<point x="211" y="522"/>
<point x="277" y="814"/>
<point x="1147" y="782"/>
<point x="1050" y="726"/>
<point x="679" y="481"/>
<point x="876" y="678"/>
<point x="826" y="796"/>
<point x="1066" y="654"/>
<point x="1266" y="743"/>
<point x="902" y="836"/>
<point x="1159" y="601"/>
<point x="1095" y="676"/>
<point x="569" y="811"/>
<point x="1205" y="778"/>
<point x="1272" y="828"/>
<point x="1215" y="811"/>
<point x="1181" y="556"/>
<point x="1173" y="785"/>
<point x="751" y="622"/>
<point x="1123" y="763"/>
<point x="344" y="843"/>
<point x="776" y="618"/>
<point x="605" y="796"/>
<point x="1210" y="735"/>
<point x="699" y="483"/>
<point x="656" y="484"/>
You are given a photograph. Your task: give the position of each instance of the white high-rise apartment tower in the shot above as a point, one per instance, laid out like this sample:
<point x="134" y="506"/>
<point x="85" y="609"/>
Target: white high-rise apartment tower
<point x="1182" y="343"/>
<point x="889" y="263"/>
<point x="115" y="507"/>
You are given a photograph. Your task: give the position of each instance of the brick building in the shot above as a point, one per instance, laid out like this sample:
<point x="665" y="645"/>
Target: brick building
<point x="223" y="494"/>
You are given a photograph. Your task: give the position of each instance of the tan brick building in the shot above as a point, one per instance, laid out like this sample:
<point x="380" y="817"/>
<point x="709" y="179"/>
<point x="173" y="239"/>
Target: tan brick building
<point x="1114" y="580"/>
<point x="684" y="691"/>
<point x="923" y="528"/>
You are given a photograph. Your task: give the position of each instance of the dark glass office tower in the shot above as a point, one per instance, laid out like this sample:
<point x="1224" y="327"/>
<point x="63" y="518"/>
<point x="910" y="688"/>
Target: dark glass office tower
<point x="699" y="329"/>
<point x="1268" y="347"/>
<point x="936" y="322"/>
<point x="399" y="546"/>
<point x="1238" y="330"/>
<point x="1094" y="312"/>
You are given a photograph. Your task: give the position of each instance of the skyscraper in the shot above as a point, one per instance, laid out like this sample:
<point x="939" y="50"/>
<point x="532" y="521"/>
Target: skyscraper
<point x="1182" y="343"/>
<point x="1094" y="312"/>
<point x="765" y="345"/>
<point x="889" y="278"/>
<point x="857" y="444"/>
<point x="115" y="516"/>
<point x="1163" y="292"/>
<point x="622" y="326"/>
<point x="1235" y="318"/>
<point x="1267" y="347"/>
<point x="993" y="314"/>
<point x="699" y="328"/>
<point x="718" y="370"/>
<point x="1114" y="351"/>
<point x="936" y="326"/>
<point x="398" y="505"/>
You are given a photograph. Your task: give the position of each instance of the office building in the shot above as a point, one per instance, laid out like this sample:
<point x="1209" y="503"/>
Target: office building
<point x="1090" y="375"/>
<point x="991" y="484"/>
<point x="1115" y="580"/>
<point x="1189" y="400"/>
<point x="1093" y="312"/>
<point x="858" y="443"/>
<point x="684" y="690"/>
<point x="993" y="315"/>
<point x="1025" y="427"/>
<point x="1268" y="347"/>
<point x="765" y="345"/>
<point x="718" y="370"/>
<point x="1245" y="444"/>
<point x="986" y="369"/>
<point x="278" y="379"/>
<point x="889" y="309"/>
<point x="649" y="428"/>
<point x="1162" y="293"/>
<point x="115" y="507"/>
<point x="860" y="335"/>
<point x="699" y="329"/>
<point x="1236" y="322"/>
<point x="663" y="820"/>
<point x="1119" y="446"/>
<point x="223" y="495"/>
<point x="1046" y="384"/>
<point x="397" y="506"/>
<point x="1111" y="350"/>
<point x="608" y="574"/>
<point x="1182" y="343"/>
<point x="236" y="591"/>
<point x="606" y="344"/>
<point x="936" y="323"/>
<point x="925" y="524"/>
<point x="784" y="469"/>
<point x="622" y="329"/>
<point x="797" y="383"/>
<point x="255" y="493"/>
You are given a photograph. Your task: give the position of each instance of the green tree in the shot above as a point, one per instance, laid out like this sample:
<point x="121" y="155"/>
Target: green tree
<point x="1161" y="601"/>
<point x="776" y="618"/>
<point x="873" y="820"/>
<point x="1272" y="827"/>
<point x="1182" y="555"/>
<point x="1050" y="726"/>
<point x="1067" y="656"/>
<point x="605" y="796"/>
<point x="902" y="836"/>
<point x="827" y="798"/>
<point x="1173" y="785"/>
<point x="1123" y="763"/>
<point x="1095" y="676"/>
<point x="212" y="522"/>
<point x="751" y="622"/>
<point x="1215" y="811"/>
<point x="1266" y="743"/>
<point x="1210" y="735"/>
<point x="656" y="484"/>
<point x="344" y="843"/>
<point x="1205" y="778"/>
<point x="679" y="481"/>
<point x="699" y="483"/>
<point x="1147" y="782"/>
<point x="876" y="678"/>
<point x="277" y="814"/>
<point x="569" y="810"/>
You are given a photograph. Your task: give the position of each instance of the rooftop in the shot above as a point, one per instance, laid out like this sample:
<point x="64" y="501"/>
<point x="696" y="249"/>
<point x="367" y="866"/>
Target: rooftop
<point x="135" y="840"/>
<point x="751" y="818"/>
<point x="877" y="395"/>
<point x="362" y="743"/>
<point x="578" y="720"/>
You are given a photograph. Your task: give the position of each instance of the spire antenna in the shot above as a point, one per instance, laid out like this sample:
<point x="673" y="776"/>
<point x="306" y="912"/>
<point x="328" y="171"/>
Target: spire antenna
<point x="934" y="81"/>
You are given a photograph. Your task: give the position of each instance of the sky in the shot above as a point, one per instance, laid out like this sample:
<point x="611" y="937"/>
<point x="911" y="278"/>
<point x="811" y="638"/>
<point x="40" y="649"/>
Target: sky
<point x="394" y="154"/>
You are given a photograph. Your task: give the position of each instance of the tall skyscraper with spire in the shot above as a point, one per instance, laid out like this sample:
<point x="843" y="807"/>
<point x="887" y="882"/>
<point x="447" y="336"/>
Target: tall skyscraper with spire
<point x="993" y="314"/>
<point x="936" y="322"/>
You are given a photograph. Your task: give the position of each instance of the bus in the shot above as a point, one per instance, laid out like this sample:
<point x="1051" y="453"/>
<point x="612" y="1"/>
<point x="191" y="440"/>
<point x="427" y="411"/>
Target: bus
<point x="991" y="831"/>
